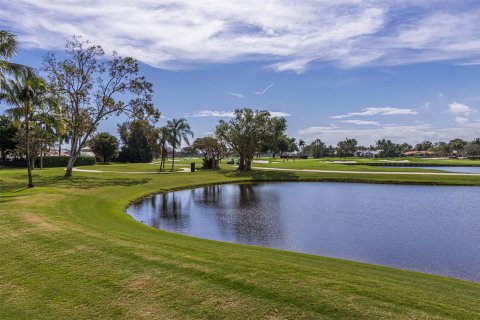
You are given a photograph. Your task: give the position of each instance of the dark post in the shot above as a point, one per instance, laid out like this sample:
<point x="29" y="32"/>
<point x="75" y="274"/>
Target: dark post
<point x="192" y="167"/>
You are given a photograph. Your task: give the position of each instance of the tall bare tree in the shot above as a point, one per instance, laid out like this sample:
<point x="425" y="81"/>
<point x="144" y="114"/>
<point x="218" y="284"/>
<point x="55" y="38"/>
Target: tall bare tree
<point x="94" y="89"/>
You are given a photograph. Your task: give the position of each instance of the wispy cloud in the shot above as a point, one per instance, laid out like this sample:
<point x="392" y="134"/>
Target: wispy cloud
<point x="387" y="111"/>
<point x="361" y="122"/>
<point x="291" y="37"/>
<point x="264" y="90"/>
<point x="235" y="94"/>
<point x="211" y="113"/>
<point x="229" y="114"/>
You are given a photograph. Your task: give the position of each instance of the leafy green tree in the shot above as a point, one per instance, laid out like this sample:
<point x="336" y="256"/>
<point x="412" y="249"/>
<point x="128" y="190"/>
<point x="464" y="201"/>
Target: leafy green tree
<point x="347" y="147"/>
<point x="246" y="133"/>
<point x="212" y="150"/>
<point x="457" y="145"/>
<point x="94" y="88"/>
<point x="318" y="149"/>
<point x="179" y="132"/>
<point x="424" y="146"/>
<point x="27" y="94"/>
<point x="472" y="150"/>
<point x="388" y="149"/>
<point x="276" y="142"/>
<point x="8" y="132"/>
<point x="286" y="144"/>
<point x="104" y="145"/>
<point x="139" y="140"/>
<point x="442" y="148"/>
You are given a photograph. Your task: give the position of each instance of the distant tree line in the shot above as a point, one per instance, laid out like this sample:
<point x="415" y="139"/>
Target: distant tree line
<point x="387" y="149"/>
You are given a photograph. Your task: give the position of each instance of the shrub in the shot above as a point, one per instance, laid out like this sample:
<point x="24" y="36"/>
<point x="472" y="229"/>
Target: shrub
<point x="53" y="162"/>
<point x="210" y="163"/>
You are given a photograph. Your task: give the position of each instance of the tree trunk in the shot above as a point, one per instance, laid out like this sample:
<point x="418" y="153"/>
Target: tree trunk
<point x="41" y="156"/>
<point x="248" y="164"/>
<point x="60" y="147"/>
<point x="27" y="150"/>
<point x="71" y="161"/>
<point x="241" y="163"/>
<point x="173" y="157"/>
<point x="69" y="170"/>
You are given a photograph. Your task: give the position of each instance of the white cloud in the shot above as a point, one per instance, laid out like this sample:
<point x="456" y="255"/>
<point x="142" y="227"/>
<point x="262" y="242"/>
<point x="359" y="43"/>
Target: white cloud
<point x="461" y="120"/>
<point x="459" y="108"/>
<point x="361" y="122"/>
<point x="210" y="113"/>
<point x="279" y="114"/>
<point x="262" y="92"/>
<point x="287" y="35"/>
<point x="229" y="114"/>
<point x="398" y="133"/>
<point x="235" y="94"/>
<point x="387" y="111"/>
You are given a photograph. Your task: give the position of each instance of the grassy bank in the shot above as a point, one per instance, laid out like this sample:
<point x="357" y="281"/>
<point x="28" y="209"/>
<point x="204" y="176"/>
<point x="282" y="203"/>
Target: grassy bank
<point x="68" y="250"/>
<point x="363" y="164"/>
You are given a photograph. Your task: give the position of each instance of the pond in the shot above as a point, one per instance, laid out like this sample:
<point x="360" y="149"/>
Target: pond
<point x="433" y="229"/>
<point x="456" y="169"/>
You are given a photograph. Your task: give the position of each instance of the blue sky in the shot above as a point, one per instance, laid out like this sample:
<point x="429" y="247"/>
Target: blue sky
<point x="403" y="70"/>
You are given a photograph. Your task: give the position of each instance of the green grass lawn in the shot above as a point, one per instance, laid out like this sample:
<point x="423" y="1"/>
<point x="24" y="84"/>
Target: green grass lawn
<point x="69" y="251"/>
<point x="144" y="167"/>
<point x="361" y="164"/>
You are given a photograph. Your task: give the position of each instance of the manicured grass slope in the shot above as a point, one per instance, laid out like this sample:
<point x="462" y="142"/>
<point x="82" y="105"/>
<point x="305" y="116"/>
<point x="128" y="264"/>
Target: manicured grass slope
<point x="68" y="250"/>
<point x="361" y="164"/>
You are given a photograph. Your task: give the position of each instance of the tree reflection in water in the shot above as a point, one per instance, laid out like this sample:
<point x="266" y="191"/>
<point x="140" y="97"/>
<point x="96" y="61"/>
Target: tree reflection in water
<point x="237" y="213"/>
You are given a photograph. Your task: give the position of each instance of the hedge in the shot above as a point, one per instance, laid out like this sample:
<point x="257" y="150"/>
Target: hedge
<point x="51" y="162"/>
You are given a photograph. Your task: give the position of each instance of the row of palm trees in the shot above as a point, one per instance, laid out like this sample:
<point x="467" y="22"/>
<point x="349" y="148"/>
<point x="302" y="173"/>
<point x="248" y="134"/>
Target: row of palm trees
<point x="27" y="94"/>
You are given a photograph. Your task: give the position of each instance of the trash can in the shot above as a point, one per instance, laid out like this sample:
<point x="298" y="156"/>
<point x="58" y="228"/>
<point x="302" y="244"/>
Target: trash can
<point x="192" y="167"/>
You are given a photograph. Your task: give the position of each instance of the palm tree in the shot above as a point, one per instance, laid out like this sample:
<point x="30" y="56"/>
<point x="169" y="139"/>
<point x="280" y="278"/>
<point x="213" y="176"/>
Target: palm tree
<point x="26" y="93"/>
<point x="50" y="125"/>
<point x="8" y="48"/>
<point x="163" y="138"/>
<point x="179" y="131"/>
<point x="301" y="144"/>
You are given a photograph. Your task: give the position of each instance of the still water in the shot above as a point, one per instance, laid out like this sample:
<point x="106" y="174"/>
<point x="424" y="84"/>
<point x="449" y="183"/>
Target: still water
<point x="433" y="229"/>
<point x="456" y="169"/>
<point x="475" y="170"/>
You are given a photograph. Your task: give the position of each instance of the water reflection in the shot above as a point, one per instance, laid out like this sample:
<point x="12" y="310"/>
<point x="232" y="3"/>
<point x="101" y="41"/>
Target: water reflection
<point x="235" y="213"/>
<point x="424" y="228"/>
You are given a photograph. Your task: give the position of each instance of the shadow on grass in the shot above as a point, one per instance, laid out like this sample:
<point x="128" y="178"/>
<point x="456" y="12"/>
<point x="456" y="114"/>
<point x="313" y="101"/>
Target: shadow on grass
<point x="87" y="182"/>
<point x="19" y="183"/>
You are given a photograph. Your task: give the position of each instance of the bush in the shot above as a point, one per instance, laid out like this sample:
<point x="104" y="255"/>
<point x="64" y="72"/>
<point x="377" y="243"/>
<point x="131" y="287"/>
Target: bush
<point x="210" y="163"/>
<point x="135" y="155"/>
<point x="14" y="163"/>
<point x="53" y="162"/>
